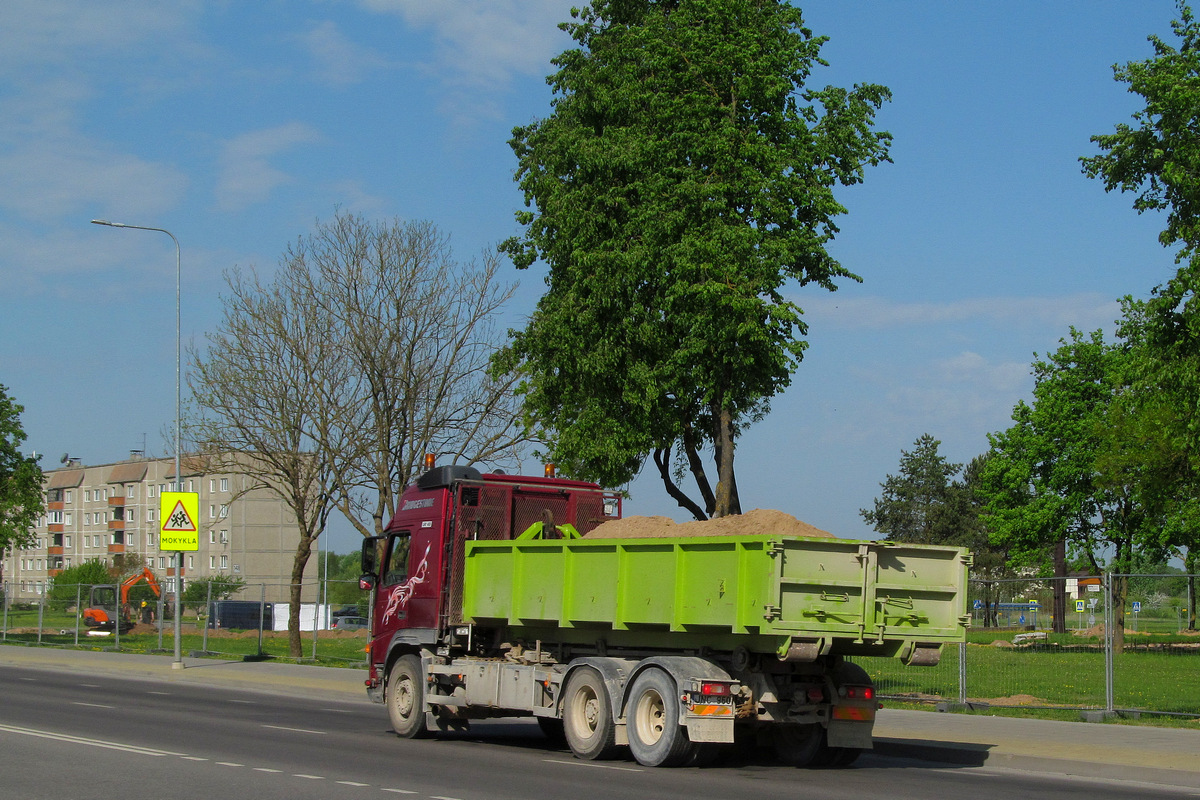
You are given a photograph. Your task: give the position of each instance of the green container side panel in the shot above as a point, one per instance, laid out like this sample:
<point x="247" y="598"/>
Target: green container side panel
<point x="856" y="594"/>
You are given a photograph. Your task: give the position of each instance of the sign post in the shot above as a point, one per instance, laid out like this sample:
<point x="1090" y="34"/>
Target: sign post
<point x="179" y="530"/>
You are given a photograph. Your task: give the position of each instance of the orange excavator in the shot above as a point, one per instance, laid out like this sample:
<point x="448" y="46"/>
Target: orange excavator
<point x="103" y="610"/>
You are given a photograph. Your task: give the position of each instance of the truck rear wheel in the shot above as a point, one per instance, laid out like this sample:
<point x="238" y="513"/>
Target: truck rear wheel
<point x="797" y="745"/>
<point x="588" y="721"/>
<point x="656" y="738"/>
<point x="406" y="697"/>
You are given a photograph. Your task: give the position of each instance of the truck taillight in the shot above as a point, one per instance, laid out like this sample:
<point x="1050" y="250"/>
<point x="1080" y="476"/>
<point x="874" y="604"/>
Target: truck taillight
<point x="714" y="688"/>
<point x="859" y="692"/>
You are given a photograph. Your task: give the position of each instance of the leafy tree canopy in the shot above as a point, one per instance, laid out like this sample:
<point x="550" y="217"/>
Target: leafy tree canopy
<point x="685" y="176"/>
<point x="21" y="497"/>
<point x="1158" y="156"/>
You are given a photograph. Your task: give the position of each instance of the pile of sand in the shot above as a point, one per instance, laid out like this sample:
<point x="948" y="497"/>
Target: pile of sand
<point x="759" y="522"/>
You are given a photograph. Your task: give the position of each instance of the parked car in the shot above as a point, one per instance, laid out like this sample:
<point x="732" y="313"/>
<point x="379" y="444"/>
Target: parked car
<point x="348" y="623"/>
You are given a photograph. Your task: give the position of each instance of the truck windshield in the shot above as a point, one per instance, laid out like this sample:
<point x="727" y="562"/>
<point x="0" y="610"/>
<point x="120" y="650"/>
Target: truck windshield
<point x="396" y="568"/>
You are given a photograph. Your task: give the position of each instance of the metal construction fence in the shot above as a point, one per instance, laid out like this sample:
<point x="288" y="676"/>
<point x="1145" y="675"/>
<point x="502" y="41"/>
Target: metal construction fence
<point x="1014" y="657"/>
<point x="243" y="624"/>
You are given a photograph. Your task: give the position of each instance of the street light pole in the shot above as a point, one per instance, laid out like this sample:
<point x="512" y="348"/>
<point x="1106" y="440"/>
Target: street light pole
<point x="178" y="483"/>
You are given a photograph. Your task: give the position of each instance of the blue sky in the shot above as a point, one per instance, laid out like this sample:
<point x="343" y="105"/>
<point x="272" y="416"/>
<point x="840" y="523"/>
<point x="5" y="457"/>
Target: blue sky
<point x="237" y="125"/>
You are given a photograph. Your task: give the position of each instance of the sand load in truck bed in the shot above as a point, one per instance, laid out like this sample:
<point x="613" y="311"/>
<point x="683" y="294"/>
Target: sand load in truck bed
<point x="759" y="522"/>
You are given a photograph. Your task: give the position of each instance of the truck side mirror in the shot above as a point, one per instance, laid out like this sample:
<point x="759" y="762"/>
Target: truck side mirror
<point x="366" y="582"/>
<point x="370" y="555"/>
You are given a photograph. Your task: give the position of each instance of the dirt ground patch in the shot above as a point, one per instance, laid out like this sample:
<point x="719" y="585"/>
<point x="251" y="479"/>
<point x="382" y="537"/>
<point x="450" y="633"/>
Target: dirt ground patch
<point x="759" y="522"/>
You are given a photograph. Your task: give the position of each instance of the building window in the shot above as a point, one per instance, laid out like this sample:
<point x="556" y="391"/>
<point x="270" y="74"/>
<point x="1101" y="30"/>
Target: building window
<point x="162" y="562"/>
<point x="131" y="491"/>
<point x="191" y="562"/>
<point x="87" y="496"/>
<point x="212" y="484"/>
<point x="224" y="562"/>
<point x="212" y="512"/>
<point x="56" y="517"/>
<point x="66" y="519"/>
<point x="150" y="490"/>
<point x="67" y="562"/>
<point x="87" y="519"/>
<point x="212" y="562"/>
<point x="191" y="486"/>
<point x="67" y="541"/>
<point x="212" y="537"/>
<point x="67" y="496"/>
<point x="224" y="484"/>
<point x="150" y="515"/>
<point x="224" y="537"/>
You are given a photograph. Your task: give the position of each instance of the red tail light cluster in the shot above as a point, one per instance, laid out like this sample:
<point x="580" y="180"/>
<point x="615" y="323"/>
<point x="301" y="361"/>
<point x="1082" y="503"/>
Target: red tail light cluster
<point x="859" y="692"/>
<point x="714" y="688"/>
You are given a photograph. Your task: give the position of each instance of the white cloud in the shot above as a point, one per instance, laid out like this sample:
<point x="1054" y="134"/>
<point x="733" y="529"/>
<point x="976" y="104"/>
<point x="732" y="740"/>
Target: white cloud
<point x="338" y="60"/>
<point x="245" y="174"/>
<point x="49" y="169"/>
<point x="487" y="41"/>
<point x="1086" y="311"/>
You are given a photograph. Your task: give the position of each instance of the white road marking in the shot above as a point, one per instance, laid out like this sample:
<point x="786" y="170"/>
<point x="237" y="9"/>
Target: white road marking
<point x="194" y="758"/>
<point x="294" y="730"/>
<point x="353" y="783"/>
<point x="308" y="777"/>
<point x="64" y="737"/>
<point x="92" y="705"/>
<point x="268" y="769"/>
<point x="164" y="694"/>
<point x="229" y="764"/>
<point x="397" y="791"/>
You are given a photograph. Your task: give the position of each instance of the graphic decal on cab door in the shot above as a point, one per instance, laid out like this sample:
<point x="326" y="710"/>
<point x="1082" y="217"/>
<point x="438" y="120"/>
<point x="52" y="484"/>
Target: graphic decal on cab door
<point x="399" y="596"/>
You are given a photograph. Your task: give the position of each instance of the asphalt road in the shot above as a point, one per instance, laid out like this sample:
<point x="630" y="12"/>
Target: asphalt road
<point x="85" y="735"/>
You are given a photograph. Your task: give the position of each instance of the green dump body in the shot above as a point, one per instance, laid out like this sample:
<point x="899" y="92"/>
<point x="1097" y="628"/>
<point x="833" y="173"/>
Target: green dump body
<point x="798" y="598"/>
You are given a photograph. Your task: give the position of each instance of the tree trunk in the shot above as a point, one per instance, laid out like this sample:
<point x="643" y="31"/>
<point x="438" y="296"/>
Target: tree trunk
<point x="1059" y="612"/>
<point x="662" y="460"/>
<point x="725" y="496"/>
<point x="303" y="551"/>
<point x="1190" y="564"/>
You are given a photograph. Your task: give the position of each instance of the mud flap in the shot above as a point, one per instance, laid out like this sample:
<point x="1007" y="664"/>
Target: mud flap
<point x="846" y="733"/>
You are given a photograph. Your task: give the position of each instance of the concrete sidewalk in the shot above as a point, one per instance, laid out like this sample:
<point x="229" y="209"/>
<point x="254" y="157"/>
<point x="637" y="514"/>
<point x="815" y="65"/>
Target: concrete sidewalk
<point x="1168" y="756"/>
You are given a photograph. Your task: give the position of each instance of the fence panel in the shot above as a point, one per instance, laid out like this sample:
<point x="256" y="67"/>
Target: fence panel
<point x="1158" y="667"/>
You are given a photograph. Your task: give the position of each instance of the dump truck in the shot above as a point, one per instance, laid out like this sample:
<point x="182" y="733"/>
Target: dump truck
<point x="489" y="599"/>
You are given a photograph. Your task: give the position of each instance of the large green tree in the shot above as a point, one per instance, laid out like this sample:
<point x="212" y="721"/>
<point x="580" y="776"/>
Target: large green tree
<point x="917" y="504"/>
<point x="1158" y="158"/>
<point x="685" y="176"/>
<point x="1048" y="494"/>
<point x="21" y="496"/>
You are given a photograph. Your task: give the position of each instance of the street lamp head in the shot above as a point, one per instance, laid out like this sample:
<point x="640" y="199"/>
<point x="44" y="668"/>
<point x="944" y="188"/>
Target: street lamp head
<point x="106" y="222"/>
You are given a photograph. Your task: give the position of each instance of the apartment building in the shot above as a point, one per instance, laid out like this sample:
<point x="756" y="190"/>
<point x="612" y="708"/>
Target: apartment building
<point x="102" y="511"/>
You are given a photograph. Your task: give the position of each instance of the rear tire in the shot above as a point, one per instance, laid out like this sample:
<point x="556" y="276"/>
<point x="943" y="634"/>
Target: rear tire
<point x="406" y="698"/>
<point x="588" y="723"/>
<point x="656" y="738"/>
<point x="797" y="745"/>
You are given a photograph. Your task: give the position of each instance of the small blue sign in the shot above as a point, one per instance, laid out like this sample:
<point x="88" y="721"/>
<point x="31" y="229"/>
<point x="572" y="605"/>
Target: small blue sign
<point x="1137" y="606"/>
<point x="978" y="604"/>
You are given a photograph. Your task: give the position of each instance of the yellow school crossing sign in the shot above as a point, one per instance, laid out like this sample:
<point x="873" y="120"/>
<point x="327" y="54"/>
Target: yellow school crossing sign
<point x="179" y="513"/>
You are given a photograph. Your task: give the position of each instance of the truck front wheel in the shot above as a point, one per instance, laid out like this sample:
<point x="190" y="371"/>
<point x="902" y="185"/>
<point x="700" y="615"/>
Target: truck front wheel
<point x="588" y="721"/>
<point x="656" y="738"/>
<point x="406" y="697"/>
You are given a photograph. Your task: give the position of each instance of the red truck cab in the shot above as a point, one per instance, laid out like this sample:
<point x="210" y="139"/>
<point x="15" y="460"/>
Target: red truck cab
<point x="416" y="566"/>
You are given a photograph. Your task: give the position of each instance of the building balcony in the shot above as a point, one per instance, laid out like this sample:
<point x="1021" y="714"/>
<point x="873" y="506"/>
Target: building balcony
<point x="54" y="551"/>
<point x="116" y="548"/>
<point x="117" y="500"/>
<point x="55" y="527"/>
<point x="116" y="524"/>
<point x="53" y="573"/>
<point x="57" y="506"/>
